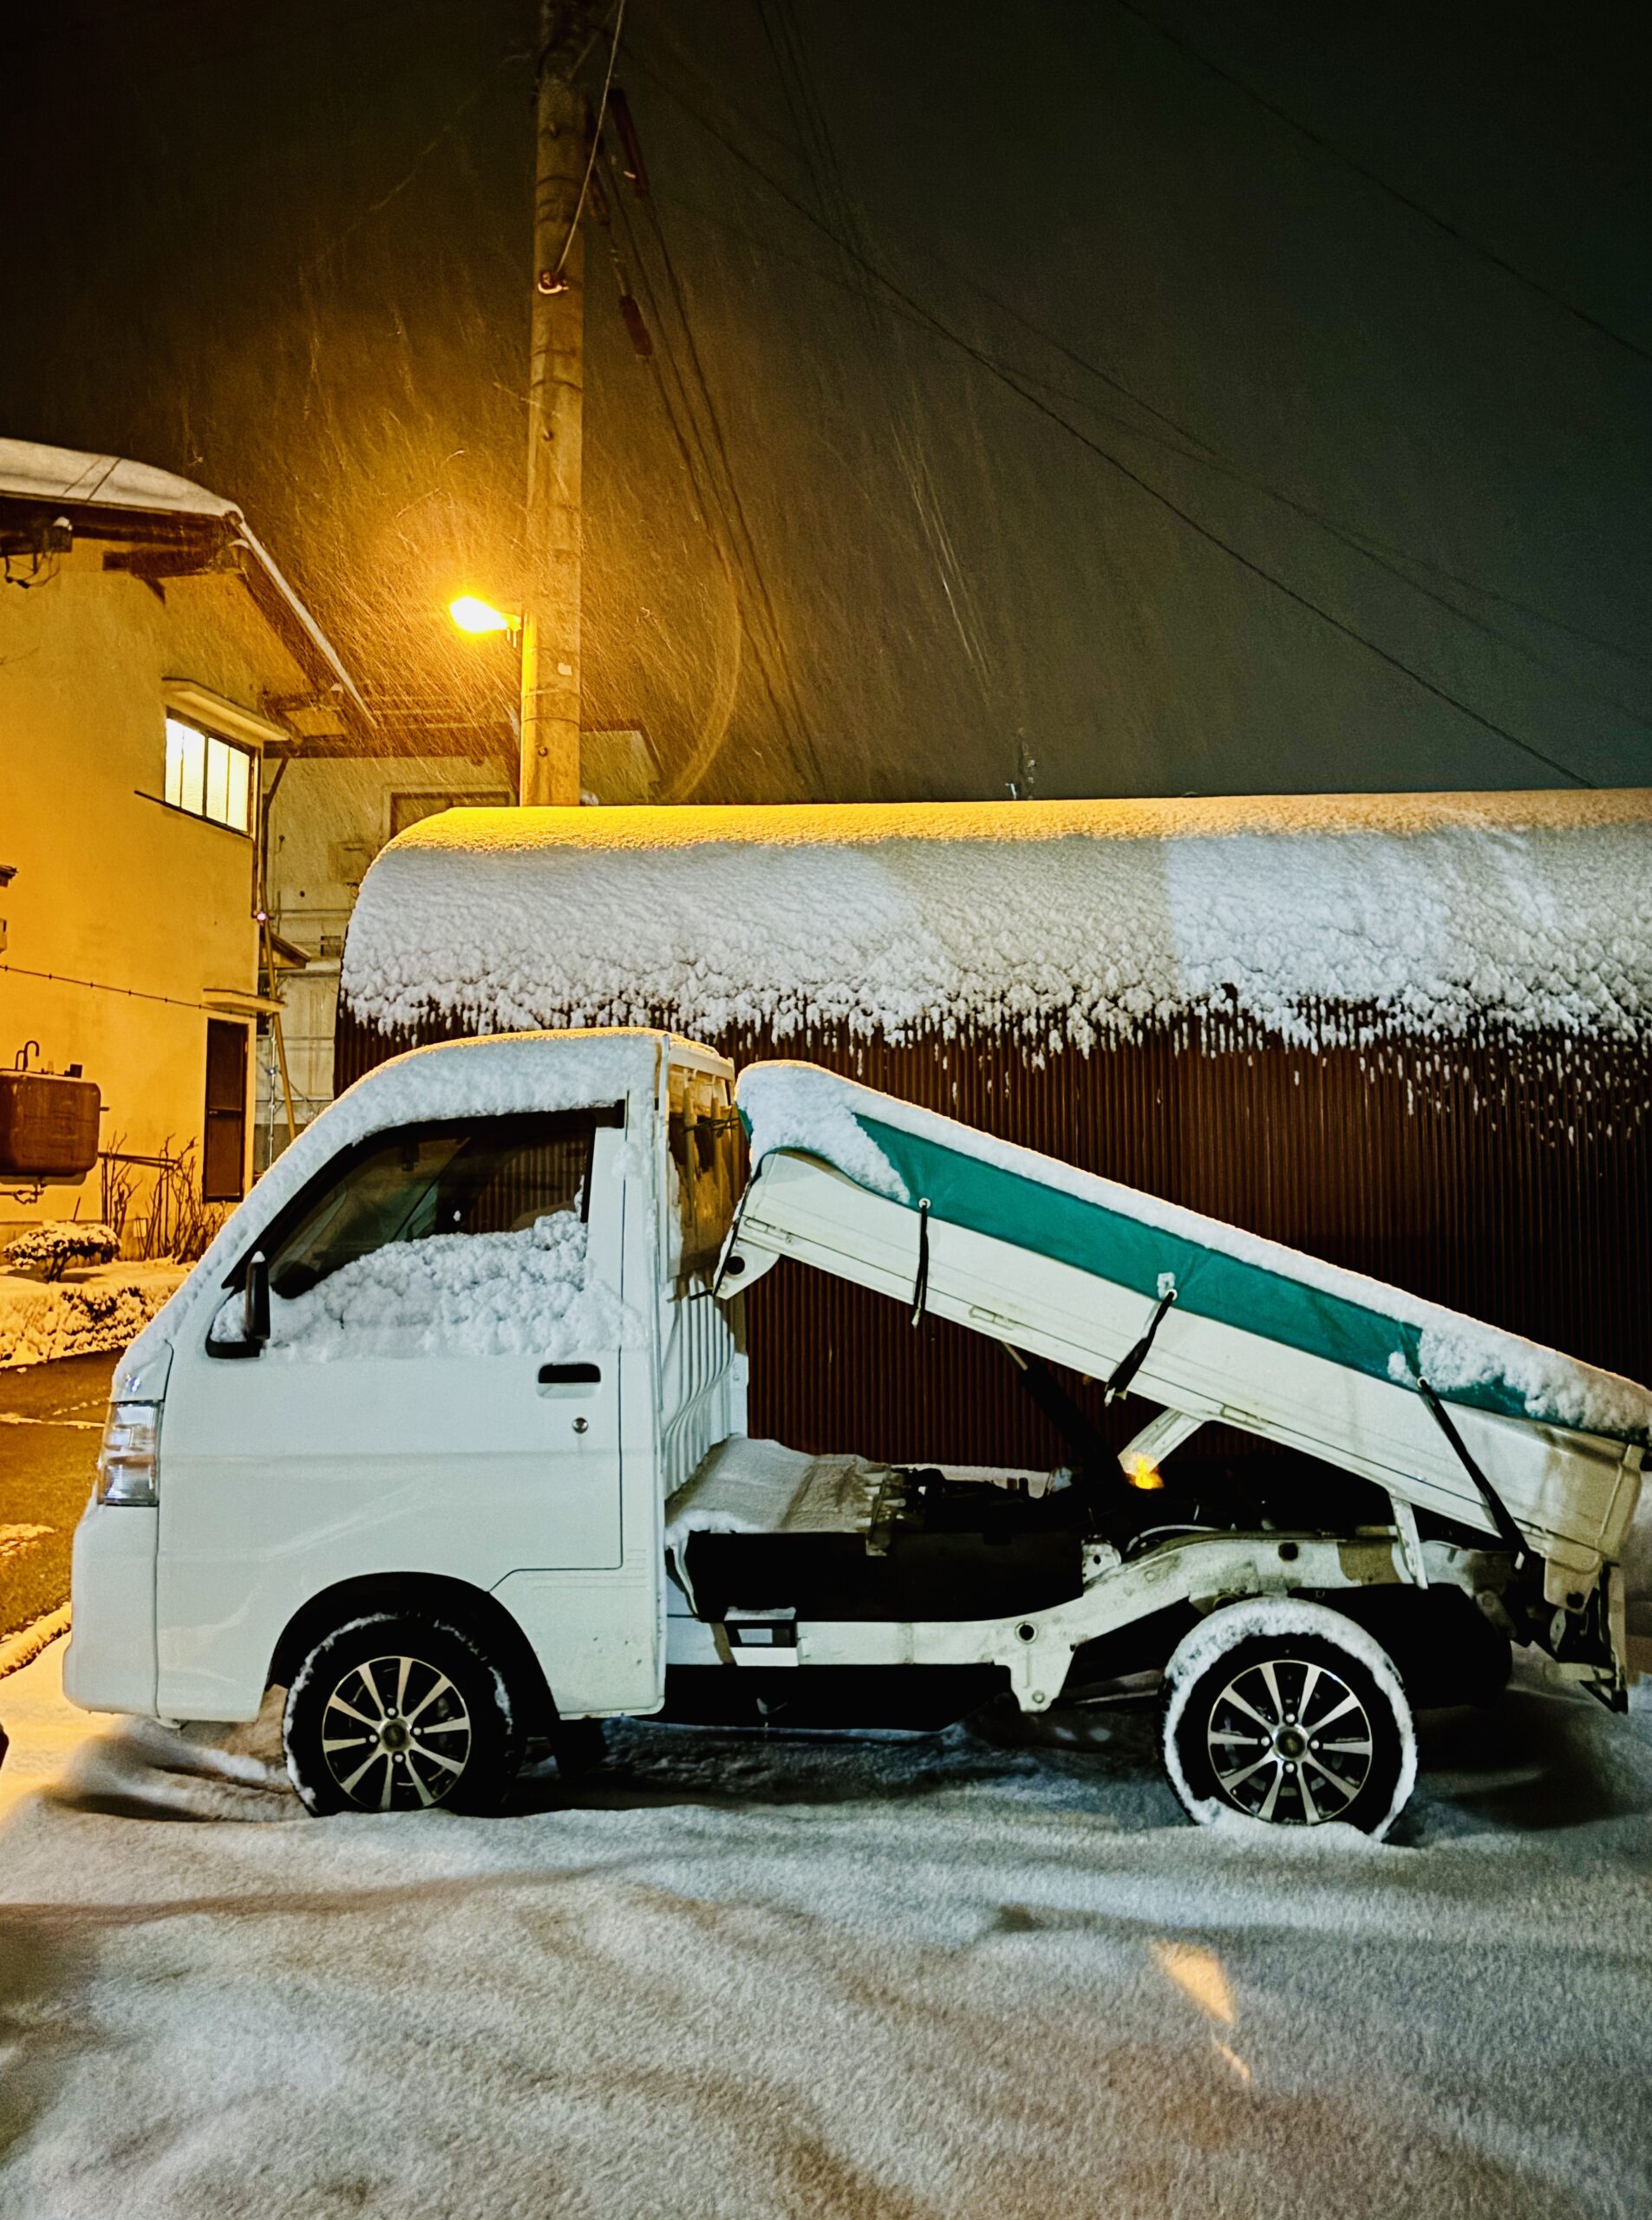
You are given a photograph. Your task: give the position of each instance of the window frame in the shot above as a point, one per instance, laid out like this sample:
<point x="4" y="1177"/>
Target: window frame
<point x="328" y="1175"/>
<point x="701" y="1106"/>
<point x="210" y="738"/>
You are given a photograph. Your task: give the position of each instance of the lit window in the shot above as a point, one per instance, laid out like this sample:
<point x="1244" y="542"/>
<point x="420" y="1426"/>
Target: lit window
<point x="209" y="777"/>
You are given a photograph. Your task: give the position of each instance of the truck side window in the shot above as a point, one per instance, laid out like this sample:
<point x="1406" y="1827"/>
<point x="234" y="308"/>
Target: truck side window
<point x="706" y="1143"/>
<point x="498" y="1176"/>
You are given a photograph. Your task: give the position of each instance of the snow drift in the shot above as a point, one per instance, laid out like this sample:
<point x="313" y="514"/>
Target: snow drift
<point x="896" y="1977"/>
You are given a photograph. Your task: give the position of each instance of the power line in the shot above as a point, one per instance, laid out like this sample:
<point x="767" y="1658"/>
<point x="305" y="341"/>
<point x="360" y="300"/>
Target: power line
<point x="803" y="736"/>
<point x="1383" y="555"/>
<point x="704" y="454"/>
<point x="596" y="141"/>
<point x="102" y="987"/>
<point x="1394" y="192"/>
<point x="1198" y="447"/>
<point x="833" y="196"/>
<point x="1204" y="531"/>
<point x="1215" y="458"/>
<point x="377" y="207"/>
<point x="1363" y="541"/>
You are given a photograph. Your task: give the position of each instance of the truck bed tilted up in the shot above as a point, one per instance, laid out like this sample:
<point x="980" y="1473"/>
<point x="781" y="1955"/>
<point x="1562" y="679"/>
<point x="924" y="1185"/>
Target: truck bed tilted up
<point x="1450" y="1417"/>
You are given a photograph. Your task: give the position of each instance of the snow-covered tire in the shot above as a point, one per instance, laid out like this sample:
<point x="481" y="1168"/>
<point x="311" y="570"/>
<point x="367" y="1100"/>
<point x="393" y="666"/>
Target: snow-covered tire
<point x="1286" y="1712"/>
<point x="398" y="1711"/>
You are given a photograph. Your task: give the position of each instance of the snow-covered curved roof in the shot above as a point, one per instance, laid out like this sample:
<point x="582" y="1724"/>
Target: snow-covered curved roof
<point x="43" y="473"/>
<point x="31" y="472"/>
<point x="1063" y="924"/>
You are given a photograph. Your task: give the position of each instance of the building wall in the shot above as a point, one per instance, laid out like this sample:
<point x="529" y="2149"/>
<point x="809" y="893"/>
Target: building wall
<point x="139" y="909"/>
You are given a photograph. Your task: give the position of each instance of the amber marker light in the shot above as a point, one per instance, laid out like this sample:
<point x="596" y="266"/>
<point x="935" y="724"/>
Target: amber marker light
<point x="473" y="615"/>
<point x="1142" y="1472"/>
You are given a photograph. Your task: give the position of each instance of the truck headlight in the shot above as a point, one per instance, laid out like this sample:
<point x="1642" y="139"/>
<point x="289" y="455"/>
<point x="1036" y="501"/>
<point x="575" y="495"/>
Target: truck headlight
<point x="128" y="1462"/>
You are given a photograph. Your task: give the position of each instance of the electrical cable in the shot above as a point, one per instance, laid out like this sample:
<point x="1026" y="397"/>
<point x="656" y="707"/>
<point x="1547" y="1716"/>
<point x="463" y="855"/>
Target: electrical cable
<point x="1328" y="145"/>
<point x="1358" y="538"/>
<point x="1216" y="460"/>
<point x="790" y="62"/>
<point x="1383" y="554"/>
<point x="801" y="737"/>
<point x="376" y="208"/>
<point x="1133" y="477"/>
<point x="801" y="734"/>
<point x="591" y="159"/>
<point x="809" y="120"/>
<point x="699" y="469"/>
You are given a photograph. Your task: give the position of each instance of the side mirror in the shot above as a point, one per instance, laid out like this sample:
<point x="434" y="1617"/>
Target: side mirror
<point x="256" y="1313"/>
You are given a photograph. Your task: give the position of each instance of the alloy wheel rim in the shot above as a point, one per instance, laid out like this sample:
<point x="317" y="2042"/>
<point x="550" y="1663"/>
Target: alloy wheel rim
<point x="1291" y="1743"/>
<point x="395" y="1733"/>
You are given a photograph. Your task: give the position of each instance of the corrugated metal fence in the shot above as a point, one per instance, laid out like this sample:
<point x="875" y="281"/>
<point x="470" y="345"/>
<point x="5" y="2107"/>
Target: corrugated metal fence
<point x="1508" y="1177"/>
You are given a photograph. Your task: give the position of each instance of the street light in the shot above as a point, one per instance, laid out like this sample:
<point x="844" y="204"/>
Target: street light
<point x="472" y="615"/>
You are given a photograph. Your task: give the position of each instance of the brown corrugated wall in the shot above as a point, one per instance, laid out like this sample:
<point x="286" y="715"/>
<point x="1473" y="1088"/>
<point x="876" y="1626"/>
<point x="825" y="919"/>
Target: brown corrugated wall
<point x="1508" y="1177"/>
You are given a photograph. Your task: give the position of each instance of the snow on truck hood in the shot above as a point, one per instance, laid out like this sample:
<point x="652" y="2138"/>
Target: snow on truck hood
<point x="1064" y="924"/>
<point x="894" y="1149"/>
<point x="487" y="1078"/>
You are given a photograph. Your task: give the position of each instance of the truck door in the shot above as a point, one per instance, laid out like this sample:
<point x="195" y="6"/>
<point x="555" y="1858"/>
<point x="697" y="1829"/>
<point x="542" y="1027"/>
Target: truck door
<point x="439" y="1391"/>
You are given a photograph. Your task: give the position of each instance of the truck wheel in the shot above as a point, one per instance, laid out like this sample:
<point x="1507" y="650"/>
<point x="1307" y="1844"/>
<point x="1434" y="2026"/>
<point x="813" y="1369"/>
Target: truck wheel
<point x="1289" y="1714"/>
<point x="395" y="1712"/>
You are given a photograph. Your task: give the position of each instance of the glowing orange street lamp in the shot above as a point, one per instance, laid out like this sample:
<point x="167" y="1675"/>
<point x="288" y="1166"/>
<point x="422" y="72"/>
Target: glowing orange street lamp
<point x="472" y="614"/>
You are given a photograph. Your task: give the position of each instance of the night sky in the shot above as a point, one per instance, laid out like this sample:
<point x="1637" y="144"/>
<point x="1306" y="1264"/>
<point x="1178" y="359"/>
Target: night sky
<point x="1236" y="263"/>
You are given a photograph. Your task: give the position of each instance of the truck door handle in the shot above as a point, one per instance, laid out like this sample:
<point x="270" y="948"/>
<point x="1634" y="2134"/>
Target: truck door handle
<point x="571" y="1375"/>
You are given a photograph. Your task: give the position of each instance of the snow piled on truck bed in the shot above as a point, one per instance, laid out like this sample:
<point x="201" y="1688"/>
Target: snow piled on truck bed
<point x="805" y="1107"/>
<point x="1065" y="924"/>
<point x="972" y="1975"/>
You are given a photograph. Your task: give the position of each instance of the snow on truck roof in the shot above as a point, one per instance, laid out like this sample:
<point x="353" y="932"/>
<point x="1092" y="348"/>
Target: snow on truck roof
<point x="1065" y="924"/>
<point x="498" y="1077"/>
<point x="895" y="1149"/>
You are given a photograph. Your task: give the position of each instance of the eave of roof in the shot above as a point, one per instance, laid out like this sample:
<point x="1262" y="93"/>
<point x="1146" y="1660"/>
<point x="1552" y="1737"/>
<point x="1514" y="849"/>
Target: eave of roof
<point x="100" y="484"/>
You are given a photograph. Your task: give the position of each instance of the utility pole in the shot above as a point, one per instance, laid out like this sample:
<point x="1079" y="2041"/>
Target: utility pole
<point x="550" y="758"/>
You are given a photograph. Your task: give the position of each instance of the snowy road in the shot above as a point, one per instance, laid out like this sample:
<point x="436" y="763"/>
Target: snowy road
<point x="51" y="1416"/>
<point x="893" y="1979"/>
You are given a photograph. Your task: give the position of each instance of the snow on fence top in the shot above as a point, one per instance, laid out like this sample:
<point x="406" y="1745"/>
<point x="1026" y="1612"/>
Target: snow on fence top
<point x="1062" y="923"/>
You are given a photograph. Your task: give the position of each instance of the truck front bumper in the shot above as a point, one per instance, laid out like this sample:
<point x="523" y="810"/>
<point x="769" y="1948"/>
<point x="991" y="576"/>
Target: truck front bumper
<point x="110" y="1661"/>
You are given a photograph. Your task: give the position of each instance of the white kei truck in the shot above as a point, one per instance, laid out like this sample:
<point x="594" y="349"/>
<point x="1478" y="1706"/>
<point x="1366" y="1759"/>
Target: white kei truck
<point x="445" y="1435"/>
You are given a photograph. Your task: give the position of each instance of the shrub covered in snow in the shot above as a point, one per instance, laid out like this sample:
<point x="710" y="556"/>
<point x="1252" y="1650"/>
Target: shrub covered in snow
<point x="50" y="1251"/>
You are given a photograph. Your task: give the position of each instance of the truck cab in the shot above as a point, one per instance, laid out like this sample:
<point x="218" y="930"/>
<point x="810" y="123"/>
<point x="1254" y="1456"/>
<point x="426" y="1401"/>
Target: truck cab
<point x="448" y="1356"/>
<point x="446" y="1435"/>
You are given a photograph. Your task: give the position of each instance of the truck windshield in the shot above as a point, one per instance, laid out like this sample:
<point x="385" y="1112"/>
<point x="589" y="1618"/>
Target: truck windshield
<point x="497" y="1176"/>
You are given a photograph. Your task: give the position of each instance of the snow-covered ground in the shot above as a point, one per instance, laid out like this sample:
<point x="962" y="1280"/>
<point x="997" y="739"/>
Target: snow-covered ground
<point x="894" y="1977"/>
